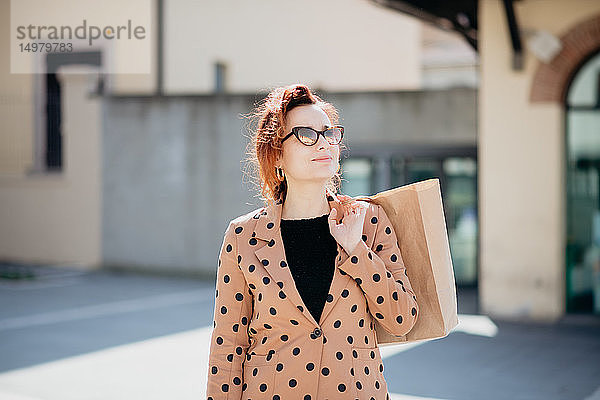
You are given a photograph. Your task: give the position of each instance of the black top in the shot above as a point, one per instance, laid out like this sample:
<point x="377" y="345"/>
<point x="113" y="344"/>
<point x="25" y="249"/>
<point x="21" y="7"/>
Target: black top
<point x="310" y="252"/>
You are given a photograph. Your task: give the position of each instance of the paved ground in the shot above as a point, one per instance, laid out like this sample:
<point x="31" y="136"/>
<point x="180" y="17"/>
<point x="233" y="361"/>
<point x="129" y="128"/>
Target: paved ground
<point x="107" y="335"/>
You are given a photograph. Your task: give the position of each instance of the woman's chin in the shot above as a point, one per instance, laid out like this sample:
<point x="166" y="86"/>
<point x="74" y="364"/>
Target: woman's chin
<point x="325" y="176"/>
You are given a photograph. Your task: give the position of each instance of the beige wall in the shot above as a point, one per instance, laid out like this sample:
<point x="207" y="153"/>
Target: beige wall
<point x="337" y="45"/>
<point x="521" y="164"/>
<point x="56" y="218"/>
<point x="16" y="108"/>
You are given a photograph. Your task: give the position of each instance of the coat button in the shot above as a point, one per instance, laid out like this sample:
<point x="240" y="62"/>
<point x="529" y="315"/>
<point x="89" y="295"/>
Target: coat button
<point x="317" y="332"/>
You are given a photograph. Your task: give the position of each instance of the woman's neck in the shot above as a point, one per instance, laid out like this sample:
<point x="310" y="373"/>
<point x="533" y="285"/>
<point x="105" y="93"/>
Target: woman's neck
<point x="306" y="203"/>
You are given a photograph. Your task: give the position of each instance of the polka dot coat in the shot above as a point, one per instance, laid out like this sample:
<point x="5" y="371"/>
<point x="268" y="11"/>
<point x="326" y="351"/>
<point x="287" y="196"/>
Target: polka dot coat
<point x="265" y="344"/>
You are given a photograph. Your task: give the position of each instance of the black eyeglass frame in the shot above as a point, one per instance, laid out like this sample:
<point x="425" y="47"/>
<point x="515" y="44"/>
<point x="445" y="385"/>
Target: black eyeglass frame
<point x="297" y="128"/>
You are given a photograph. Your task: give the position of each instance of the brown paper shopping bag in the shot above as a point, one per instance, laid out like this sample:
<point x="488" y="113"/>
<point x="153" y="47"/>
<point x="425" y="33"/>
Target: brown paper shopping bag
<point x="417" y="214"/>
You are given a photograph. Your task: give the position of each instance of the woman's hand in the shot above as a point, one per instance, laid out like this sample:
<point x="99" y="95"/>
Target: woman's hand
<point x="348" y="233"/>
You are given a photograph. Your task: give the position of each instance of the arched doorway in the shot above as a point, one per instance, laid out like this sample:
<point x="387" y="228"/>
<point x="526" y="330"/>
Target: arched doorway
<point x="582" y="152"/>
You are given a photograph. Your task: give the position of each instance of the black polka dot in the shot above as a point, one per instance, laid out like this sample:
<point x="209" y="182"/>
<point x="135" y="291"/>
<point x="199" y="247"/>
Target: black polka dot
<point x="376" y="277"/>
<point x="239" y="230"/>
<point x="354" y="260"/>
<point x="374" y="220"/>
<point x="293" y="382"/>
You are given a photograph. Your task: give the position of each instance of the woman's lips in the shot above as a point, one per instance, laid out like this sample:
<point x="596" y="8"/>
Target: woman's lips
<point x="327" y="159"/>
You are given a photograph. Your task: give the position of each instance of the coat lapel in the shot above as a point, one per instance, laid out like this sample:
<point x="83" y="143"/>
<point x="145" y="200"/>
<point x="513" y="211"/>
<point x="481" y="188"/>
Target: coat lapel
<point x="268" y="229"/>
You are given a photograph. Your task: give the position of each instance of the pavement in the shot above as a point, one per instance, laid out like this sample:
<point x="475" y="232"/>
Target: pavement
<point x="68" y="334"/>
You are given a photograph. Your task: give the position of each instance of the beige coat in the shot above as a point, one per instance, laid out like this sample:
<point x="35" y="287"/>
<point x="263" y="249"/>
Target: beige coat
<point x="266" y="344"/>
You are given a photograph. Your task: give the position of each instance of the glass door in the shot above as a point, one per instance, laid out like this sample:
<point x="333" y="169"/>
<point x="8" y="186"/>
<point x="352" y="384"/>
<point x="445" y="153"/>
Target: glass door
<point x="458" y="182"/>
<point x="582" y="184"/>
<point x="460" y="203"/>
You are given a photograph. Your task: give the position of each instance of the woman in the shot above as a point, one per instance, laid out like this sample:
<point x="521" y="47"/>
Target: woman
<point x="299" y="286"/>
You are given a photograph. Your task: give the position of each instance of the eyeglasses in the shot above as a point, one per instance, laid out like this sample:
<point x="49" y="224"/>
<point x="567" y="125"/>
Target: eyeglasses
<point x="309" y="136"/>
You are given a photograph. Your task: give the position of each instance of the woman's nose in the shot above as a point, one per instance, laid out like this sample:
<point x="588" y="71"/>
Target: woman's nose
<point x="322" y="142"/>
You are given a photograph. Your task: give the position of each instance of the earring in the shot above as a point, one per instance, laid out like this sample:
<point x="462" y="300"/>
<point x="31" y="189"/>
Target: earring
<point x="279" y="173"/>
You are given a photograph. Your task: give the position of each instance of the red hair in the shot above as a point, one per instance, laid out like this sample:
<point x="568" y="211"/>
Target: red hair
<point x="265" y="140"/>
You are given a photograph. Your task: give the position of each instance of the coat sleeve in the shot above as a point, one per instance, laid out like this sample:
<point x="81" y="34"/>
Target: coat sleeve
<point x="381" y="274"/>
<point x="233" y="309"/>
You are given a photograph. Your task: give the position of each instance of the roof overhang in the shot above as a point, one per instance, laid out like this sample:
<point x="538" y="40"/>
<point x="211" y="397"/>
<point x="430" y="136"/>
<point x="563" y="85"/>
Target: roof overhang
<point x="459" y="16"/>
